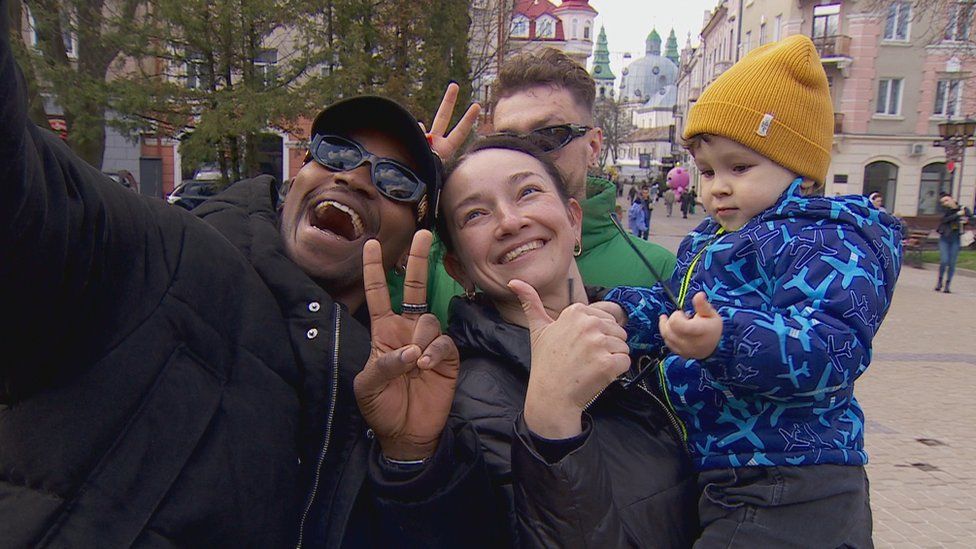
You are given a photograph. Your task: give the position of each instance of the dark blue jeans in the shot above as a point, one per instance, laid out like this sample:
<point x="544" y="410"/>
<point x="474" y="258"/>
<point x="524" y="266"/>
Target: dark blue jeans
<point x="814" y="506"/>
<point x="948" y="255"/>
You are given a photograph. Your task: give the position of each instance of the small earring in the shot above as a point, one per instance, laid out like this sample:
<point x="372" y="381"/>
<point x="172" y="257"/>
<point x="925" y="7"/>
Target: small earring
<point x="577" y="249"/>
<point x="400" y="270"/>
<point x="469" y="294"/>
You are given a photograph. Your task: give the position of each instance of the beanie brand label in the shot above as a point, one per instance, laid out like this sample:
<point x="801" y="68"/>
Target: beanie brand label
<point x="767" y="121"/>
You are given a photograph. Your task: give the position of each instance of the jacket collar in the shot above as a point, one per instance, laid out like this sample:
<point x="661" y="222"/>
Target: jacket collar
<point x="479" y="330"/>
<point x="597" y="225"/>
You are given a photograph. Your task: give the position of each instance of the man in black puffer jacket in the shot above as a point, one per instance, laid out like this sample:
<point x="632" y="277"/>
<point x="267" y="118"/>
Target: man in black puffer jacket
<point x="176" y="381"/>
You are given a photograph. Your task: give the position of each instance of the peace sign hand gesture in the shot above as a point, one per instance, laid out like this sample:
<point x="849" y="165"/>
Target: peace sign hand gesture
<point x="446" y="143"/>
<point x="406" y="388"/>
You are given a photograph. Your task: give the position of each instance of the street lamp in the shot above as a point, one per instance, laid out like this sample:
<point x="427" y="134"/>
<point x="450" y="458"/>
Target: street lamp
<point x="956" y="137"/>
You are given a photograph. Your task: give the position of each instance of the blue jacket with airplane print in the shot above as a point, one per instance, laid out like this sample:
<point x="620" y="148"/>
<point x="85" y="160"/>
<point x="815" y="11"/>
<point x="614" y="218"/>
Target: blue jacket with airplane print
<point x="801" y="289"/>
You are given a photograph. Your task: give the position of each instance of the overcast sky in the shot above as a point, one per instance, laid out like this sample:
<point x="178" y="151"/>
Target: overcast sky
<point x="628" y="22"/>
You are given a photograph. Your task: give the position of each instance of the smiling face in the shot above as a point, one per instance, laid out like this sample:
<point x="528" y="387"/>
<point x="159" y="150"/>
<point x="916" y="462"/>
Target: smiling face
<point x="507" y="220"/>
<point x="327" y="217"/>
<point x="737" y="182"/>
<point x="549" y="105"/>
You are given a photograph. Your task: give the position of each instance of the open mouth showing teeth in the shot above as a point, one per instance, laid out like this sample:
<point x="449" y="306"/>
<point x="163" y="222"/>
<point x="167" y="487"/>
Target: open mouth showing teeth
<point x="338" y="219"/>
<point x="521" y="250"/>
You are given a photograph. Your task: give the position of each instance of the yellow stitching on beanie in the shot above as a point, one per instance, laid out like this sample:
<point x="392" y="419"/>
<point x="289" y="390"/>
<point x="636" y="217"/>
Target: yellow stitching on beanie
<point x="776" y="101"/>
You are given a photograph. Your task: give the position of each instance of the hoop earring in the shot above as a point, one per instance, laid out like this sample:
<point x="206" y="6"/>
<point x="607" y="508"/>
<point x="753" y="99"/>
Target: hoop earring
<point x="577" y="249"/>
<point x="469" y="294"/>
<point x="399" y="270"/>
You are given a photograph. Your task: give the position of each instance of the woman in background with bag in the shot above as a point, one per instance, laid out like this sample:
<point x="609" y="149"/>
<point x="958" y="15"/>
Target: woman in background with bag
<point x="954" y="218"/>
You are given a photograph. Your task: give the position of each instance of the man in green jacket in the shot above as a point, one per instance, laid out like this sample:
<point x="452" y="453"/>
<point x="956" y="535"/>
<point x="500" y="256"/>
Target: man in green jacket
<point x="548" y="98"/>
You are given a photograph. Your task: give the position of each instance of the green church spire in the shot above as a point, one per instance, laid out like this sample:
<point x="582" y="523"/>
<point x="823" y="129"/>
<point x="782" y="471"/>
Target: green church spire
<point x="671" y="48"/>
<point x="601" y="58"/>
<point x="653" y="44"/>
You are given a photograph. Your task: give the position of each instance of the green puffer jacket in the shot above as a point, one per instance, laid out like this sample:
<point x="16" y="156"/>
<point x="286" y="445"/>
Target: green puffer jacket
<point x="607" y="260"/>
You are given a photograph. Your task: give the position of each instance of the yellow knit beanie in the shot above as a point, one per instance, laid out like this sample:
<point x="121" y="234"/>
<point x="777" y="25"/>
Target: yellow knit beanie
<point x="776" y="101"/>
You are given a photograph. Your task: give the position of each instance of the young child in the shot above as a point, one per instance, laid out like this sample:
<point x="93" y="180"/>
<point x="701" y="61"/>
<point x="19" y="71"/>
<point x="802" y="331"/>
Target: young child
<point x="789" y="289"/>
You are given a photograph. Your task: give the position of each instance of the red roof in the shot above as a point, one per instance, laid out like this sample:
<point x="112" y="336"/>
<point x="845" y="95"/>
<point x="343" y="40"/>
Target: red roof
<point x="534" y="8"/>
<point x="576" y="5"/>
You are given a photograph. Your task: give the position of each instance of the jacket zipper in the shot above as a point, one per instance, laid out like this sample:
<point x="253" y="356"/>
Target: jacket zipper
<point x="328" y="430"/>
<point x="592" y="400"/>
<point x="668" y="408"/>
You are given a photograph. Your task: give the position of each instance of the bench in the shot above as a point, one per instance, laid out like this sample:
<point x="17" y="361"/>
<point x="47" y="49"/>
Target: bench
<point x="916" y="241"/>
<point x="919" y="235"/>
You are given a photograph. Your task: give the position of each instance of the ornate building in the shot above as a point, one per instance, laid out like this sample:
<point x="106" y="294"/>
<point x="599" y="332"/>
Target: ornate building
<point x="567" y="27"/>
<point x="601" y="72"/>
<point x="648" y="91"/>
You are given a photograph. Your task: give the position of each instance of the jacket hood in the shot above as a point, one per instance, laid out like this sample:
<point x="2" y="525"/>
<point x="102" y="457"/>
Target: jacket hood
<point x="601" y="198"/>
<point x="850" y="212"/>
<point x="478" y="330"/>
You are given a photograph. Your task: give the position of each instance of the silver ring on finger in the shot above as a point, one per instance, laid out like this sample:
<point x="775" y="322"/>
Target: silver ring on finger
<point x="415" y="308"/>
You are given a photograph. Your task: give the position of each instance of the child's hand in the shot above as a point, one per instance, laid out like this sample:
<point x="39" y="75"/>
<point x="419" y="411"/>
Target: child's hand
<point x="695" y="337"/>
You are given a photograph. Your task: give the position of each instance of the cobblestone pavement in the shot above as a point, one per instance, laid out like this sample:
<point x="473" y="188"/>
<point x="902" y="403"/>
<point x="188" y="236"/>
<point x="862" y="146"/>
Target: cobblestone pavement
<point x="917" y="397"/>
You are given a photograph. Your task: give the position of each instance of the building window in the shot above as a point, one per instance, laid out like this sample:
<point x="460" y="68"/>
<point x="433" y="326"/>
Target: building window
<point x="896" y="24"/>
<point x="520" y="27"/>
<point x="762" y="33"/>
<point x="264" y="66"/>
<point x="777" y="27"/>
<point x="545" y="27"/>
<point x="948" y="98"/>
<point x="196" y="72"/>
<point x="881" y="177"/>
<point x="586" y="32"/>
<point x="575" y="29"/>
<point x="959" y="22"/>
<point x="935" y="179"/>
<point x="889" y="96"/>
<point x="31" y="26"/>
<point x="747" y="42"/>
<point x="826" y="21"/>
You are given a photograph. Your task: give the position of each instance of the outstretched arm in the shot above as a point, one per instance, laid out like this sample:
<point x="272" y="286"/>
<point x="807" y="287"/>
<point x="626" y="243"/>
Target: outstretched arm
<point x="71" y="244"/>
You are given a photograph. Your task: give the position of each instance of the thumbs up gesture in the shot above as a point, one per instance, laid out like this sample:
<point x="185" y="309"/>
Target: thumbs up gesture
<point x="574" y="357"/>
<point x="692" y="337"/>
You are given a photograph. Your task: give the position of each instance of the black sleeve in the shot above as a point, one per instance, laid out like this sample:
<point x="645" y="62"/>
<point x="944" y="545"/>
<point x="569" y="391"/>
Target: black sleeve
<point x="447" y="504"/>
<point x="553" y="450"/>
<point x="568" y="503"/>
<point x="73" y="248"/>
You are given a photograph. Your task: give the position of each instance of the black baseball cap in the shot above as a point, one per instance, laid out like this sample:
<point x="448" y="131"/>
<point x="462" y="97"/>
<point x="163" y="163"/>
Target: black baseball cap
<point x="379" y="113"/>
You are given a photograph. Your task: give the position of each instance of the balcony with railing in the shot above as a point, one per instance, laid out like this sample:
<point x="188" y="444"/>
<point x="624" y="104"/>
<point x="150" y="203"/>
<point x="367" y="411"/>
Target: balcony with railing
<point x="833" y="48"/>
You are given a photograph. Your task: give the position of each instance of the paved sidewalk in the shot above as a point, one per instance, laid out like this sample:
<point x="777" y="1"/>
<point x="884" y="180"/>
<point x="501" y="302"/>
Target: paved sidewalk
<point x="918" y="397"/>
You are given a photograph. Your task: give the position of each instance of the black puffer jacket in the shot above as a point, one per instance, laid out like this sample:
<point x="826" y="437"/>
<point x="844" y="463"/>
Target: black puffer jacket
<point x="629" y="484"/>
<point x="172" y="381"/>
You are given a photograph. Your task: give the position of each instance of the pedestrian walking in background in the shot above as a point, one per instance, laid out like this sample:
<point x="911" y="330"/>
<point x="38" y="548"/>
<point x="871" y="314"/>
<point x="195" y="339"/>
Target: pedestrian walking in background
<point x="686" y="200"/>
<point x="669" y="200"/>
<point x="954" y="218"/>
<point x="648" y="202"/>
<point x="636" y="221"/>
<point x="694" y="200"/>
<point x="877" y="199"/>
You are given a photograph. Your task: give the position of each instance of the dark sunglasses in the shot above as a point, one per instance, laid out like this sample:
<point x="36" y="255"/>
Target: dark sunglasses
<point x="551" y="138"/>
<point x="394" y="180"/>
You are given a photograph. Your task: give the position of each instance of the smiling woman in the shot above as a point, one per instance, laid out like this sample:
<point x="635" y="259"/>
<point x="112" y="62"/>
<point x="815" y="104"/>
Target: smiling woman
<point x="588" y="462"/>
